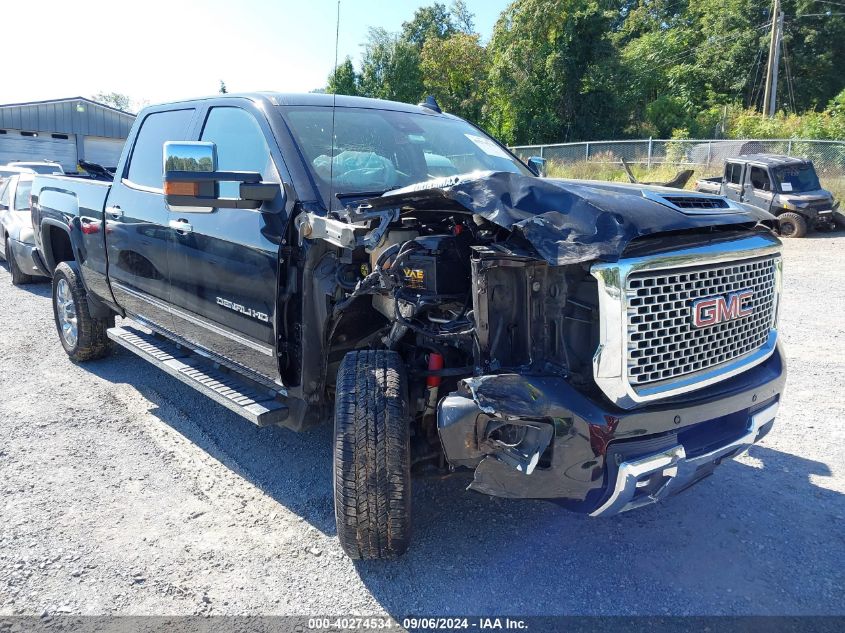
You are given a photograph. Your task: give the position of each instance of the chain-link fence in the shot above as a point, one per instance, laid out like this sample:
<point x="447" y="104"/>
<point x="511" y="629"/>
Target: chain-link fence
<point x="827" y="155"/>
<point x="647" y="157"/>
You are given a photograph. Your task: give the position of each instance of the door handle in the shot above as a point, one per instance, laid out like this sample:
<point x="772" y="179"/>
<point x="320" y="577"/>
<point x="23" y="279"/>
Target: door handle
<point x="116" y="212"/>
<point x="181" y="226"/>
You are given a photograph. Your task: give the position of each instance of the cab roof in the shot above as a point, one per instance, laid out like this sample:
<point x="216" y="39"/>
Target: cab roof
<point x="771" y="160"/>
<point x="318" y="99"/>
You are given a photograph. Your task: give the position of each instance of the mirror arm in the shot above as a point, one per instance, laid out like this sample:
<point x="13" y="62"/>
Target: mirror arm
<point x="212" y="176"/>
<point x="217" y="203"/>
<point x="263" y="191"/>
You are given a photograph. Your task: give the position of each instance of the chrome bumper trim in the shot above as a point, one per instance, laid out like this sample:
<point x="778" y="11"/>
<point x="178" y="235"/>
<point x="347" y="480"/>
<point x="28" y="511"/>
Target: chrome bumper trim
<point x="675" y="467"/>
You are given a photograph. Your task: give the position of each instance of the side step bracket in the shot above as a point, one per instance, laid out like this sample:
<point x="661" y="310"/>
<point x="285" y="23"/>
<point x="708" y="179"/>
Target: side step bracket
<point x="237" y="393"/>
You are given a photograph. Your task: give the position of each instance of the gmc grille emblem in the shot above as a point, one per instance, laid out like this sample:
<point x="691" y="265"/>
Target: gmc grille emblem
<point x="714" y="310"/>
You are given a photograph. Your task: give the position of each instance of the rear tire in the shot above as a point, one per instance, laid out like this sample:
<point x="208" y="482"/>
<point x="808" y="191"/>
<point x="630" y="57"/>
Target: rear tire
<point x="83" y="337"/>
<point x="372" y="456"/>
<point x="19" y="278"/>
<point x="792" y="225"/>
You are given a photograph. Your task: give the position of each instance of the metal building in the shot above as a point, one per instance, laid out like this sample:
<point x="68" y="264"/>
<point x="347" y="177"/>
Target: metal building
<point x="63" y="130"/>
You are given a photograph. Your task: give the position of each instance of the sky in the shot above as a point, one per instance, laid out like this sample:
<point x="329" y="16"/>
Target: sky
<point x="162" y="50"/>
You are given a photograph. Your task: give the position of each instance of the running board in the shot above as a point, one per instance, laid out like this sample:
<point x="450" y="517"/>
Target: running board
<point x="254" y="402"/>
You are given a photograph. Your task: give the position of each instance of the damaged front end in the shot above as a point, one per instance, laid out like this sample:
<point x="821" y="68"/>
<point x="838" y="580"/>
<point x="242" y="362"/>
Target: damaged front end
<point x="548" y="334"/>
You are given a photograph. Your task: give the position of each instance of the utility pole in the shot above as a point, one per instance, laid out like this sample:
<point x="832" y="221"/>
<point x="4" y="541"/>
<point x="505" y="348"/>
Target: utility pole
<point x="770" y="95"/>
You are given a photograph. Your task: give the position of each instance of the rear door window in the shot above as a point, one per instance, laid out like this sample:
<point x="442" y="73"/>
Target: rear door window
<point x="733" y="173"/>
<point x="145" y="165"/>
<point x="4" y="194"/>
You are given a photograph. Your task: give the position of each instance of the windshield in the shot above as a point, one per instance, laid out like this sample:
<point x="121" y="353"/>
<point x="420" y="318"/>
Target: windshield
<point x="378" y="150"/>
<point x="797" y="178"/>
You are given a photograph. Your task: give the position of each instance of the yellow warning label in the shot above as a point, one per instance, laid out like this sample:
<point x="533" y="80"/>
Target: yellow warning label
<point x="414" y="277"/>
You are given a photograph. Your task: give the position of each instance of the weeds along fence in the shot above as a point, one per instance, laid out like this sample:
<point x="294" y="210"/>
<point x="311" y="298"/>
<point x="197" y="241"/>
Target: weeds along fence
<point x="661" y="157"/>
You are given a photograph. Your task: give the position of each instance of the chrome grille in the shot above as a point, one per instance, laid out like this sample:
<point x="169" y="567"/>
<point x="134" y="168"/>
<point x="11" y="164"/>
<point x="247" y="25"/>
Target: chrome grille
<point x="662" y="342"/>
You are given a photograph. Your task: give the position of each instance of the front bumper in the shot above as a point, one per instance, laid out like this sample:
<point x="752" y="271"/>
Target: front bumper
<point x="24" y="255"/>
<point x="597" y="457"/>
<point x="654" y="477"/>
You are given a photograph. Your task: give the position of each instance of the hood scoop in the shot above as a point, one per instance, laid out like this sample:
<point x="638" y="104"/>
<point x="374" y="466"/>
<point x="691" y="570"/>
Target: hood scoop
<point x="693" y="204"/>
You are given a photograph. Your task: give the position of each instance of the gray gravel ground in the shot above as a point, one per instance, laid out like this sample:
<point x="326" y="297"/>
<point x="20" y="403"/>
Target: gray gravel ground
<point x="124" y="492"/>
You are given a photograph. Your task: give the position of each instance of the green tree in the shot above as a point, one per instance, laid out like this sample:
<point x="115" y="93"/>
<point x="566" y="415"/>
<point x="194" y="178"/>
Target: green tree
<point x="391" y="68"/>
<point x="462" y="18"/>
<point x="434" y="21"/>
<point x="391" y="65"/>
<point x="115" y="100"/>
<point x="344" y="80"/>
<point x="815" y="45"/>
<point x="552" y="70"/>
<point x="454" y="70"/>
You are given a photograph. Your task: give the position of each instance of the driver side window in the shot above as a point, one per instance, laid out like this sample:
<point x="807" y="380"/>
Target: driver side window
<point x="241" y="146"/>
<point x="760" y="179"/>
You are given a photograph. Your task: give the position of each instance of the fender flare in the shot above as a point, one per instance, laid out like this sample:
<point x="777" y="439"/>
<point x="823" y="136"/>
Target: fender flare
<point x="97" y="308"/>
<point x="46" y="244"/>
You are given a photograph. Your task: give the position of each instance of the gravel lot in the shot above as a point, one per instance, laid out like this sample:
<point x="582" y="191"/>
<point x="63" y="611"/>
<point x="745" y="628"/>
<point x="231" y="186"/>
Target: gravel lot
<point x="124" y="492"/>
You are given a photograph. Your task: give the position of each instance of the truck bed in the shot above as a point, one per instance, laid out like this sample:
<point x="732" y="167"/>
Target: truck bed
<point x="709" y="185"/>
<point x="70" y="195"/>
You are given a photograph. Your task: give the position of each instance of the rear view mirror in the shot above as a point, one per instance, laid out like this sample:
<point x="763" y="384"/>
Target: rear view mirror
<point x="537" y="165"/>
<point x="191" y="180"/>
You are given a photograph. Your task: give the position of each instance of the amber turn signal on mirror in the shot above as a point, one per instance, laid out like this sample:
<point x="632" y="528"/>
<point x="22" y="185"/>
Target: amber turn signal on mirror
<point x="181" y="188"/>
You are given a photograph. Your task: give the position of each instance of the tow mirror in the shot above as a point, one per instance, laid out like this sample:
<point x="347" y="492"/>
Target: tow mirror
<point x="537" y="166"/>
<point x="192" y="182"/>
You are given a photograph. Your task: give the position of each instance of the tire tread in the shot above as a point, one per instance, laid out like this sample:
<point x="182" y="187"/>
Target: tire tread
<point x="372" y="456"/>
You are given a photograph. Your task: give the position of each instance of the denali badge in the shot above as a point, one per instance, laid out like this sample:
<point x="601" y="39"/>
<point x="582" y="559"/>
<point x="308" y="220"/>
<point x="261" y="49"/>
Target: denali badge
<point x="237" y="307"/>
<point x="713" y="310"/>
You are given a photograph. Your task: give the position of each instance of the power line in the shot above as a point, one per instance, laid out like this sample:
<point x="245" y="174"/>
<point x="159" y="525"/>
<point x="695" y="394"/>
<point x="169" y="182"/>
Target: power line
<point x="703" y="45"/>
<point x="837" y="4"/>
<point x="755" y="71"/>
<point x="789" y="81"/>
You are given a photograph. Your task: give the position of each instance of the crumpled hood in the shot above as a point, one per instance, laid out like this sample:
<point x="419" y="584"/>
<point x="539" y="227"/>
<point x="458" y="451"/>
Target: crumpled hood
<point x="566" y="221"/>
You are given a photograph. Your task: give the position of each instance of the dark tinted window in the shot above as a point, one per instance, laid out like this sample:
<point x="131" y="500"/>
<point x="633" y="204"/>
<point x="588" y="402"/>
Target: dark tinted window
<point x="22" y="194"/>
<point x="241" y="145"/>
<point x="145" y="166"/>
<point x="760" y="179"/>
<point x="797" y="178"/>
<point x="733" y="173"/>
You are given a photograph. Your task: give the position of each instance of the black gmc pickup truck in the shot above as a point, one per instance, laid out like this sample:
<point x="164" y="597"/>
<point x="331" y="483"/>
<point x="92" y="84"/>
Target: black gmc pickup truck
<point x="601" y="345"/>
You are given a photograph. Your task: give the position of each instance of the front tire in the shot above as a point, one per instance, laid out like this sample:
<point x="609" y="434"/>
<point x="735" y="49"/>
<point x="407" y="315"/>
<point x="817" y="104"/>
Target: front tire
<point x="372" y="456"/>
<point x="83" y="336"/>
<point x="19" y="278"/>
<point x="792" y="225"/>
